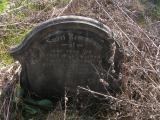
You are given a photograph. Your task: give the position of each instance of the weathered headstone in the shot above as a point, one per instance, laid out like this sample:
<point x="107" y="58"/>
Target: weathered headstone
<point x="67" y="52"/>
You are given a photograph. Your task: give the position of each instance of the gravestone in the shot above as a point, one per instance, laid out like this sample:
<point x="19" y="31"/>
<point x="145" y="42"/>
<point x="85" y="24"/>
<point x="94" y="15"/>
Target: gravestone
<point x="67" y="52"/>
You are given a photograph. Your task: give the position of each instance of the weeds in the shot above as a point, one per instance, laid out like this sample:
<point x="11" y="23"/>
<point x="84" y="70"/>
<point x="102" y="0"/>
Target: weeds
<point x="3" y="5"/>
<point x="140" y="98"/>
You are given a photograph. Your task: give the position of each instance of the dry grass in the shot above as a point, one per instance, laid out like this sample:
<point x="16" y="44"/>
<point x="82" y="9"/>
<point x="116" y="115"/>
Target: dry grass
<point x="140" y="99"/>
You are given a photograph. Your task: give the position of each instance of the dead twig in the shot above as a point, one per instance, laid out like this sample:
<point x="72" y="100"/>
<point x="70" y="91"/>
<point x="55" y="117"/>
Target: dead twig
<point x="108" y="96"/>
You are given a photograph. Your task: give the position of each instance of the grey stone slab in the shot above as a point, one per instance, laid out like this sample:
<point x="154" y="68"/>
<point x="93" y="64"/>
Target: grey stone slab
<point x="67" y="52"/>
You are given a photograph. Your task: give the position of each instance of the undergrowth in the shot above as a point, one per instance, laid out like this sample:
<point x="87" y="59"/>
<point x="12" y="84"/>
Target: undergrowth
<point x="3" y="5"/>
<point x="152" y="9"/>
<point x="140" y="98"/>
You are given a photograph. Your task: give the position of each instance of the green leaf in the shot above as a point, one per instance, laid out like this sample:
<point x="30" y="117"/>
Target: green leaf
<point x="30" y="111"/>
<point x="45" y="103"/>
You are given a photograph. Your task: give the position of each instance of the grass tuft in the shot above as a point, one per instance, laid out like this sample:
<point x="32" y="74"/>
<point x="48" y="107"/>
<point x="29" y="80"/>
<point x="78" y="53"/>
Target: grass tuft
<point x="3" y="5"/>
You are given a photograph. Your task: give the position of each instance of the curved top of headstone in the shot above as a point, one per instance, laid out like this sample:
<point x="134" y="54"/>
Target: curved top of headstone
<point x="75" y="22"/>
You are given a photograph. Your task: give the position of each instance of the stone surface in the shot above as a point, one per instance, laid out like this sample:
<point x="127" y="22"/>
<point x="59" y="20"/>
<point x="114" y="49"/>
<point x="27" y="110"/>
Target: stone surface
<point x="67" y="52"/>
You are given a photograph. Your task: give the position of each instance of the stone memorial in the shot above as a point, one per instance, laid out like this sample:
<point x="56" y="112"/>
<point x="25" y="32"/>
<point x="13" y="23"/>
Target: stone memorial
<point x="67" y="52"/>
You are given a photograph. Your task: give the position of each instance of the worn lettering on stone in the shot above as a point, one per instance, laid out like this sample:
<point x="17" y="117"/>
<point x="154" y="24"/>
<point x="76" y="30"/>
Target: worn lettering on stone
<point x="67" y="52"/>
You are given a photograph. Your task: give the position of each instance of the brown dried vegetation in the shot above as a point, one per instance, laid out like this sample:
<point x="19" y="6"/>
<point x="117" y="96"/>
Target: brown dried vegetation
<point x="140" y="98"/>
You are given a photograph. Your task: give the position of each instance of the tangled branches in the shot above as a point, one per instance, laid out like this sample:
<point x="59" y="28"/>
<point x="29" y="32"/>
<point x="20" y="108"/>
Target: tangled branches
<point x="140" y="98"/>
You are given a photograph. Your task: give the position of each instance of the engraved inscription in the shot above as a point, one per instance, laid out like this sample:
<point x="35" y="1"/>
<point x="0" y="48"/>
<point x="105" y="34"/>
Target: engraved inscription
<point x="51" y="39"/>
<point x="67" y="48"/>
<point x="71" y="40"/>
